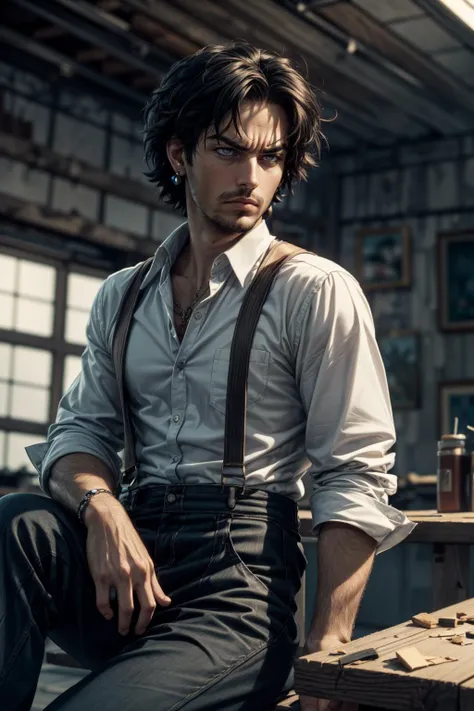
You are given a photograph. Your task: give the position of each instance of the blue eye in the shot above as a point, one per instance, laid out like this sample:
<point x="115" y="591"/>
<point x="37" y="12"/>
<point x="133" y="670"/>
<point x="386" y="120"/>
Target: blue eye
<point x="221" y="151"/>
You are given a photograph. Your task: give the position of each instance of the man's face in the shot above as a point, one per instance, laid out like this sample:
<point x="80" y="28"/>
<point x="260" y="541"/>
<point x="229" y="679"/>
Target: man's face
<point x="232" y="179"/>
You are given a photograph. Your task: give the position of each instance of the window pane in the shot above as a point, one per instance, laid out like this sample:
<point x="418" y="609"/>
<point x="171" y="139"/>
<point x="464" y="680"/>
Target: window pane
<point x="34" y="317"/>
<point x="7" y="273"/>
<point x="5" y="360"/>
<point x="29" y="403"/>
<point x="81" y="290"/>
<point x="37" y="280"/>
<point x="72" y="368"/>
<point x="31" y="365"/>
<point x="76" y="322"/>
<point x="16" y="457"/>
<point x="6" y="311"/>
<point x="4" y="387"/>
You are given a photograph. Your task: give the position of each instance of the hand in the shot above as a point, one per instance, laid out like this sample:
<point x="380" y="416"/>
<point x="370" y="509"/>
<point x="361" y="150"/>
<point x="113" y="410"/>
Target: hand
<point x="309" y="703"/>
<point x="118" y="559"/>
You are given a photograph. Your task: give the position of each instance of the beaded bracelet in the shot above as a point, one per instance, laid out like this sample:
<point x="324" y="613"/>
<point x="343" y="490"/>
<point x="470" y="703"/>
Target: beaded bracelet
<point x="86" y="500"/>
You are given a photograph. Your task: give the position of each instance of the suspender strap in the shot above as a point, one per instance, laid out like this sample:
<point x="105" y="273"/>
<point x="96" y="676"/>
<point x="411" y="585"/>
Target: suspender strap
<point x="233" y="467"/>
<point x="119" y="344"/>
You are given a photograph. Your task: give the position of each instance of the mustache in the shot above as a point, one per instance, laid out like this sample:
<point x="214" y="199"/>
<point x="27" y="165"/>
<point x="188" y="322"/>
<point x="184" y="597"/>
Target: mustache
<point x="241" y="194"/>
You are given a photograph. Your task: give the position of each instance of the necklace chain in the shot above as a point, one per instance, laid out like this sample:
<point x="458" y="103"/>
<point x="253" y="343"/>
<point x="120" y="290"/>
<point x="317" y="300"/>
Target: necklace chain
<point x="185" y="314"/>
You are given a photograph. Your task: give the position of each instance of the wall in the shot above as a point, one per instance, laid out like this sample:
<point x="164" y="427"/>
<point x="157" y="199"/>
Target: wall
<point x="429" y="187"/>
<point x="75" y="123"/>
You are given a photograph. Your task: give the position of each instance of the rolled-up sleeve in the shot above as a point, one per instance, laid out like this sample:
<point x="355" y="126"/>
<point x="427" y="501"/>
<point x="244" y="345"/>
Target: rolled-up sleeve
<point x="89" y="417"/>
<point x="350" y="430"/>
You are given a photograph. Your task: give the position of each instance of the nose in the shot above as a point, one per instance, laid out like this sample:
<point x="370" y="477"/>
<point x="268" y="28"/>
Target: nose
<point x="248" y="173"/>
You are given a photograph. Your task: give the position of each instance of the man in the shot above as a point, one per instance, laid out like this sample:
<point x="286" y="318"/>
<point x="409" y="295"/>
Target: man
<point x="175" y="596"/>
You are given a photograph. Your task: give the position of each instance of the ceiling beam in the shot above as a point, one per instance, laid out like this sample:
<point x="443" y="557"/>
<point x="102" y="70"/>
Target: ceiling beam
<point x="115" y="41"/>
<point x="358" y="24"/>
<point x="68" y="66"/>
<point x="448" y="21"/>
<point x="301" y="34"/>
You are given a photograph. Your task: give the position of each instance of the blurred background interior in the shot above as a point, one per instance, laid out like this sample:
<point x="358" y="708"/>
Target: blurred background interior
<point x="392" y="201"/>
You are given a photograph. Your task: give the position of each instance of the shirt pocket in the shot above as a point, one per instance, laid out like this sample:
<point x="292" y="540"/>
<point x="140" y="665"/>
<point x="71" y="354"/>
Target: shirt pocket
<point x="257" y="381"/>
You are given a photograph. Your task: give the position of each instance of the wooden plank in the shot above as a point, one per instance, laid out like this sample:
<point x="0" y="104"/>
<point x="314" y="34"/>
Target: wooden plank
<point x="71" y="168"/>
<point x="384" y="682"/>
<point x="73" y="225"/>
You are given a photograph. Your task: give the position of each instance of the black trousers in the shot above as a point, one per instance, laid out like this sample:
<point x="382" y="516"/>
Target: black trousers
<point x="227" y="641"/>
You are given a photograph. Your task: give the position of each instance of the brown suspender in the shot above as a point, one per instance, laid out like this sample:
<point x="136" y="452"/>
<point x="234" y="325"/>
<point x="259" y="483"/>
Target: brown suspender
<point x="233" y="467"/>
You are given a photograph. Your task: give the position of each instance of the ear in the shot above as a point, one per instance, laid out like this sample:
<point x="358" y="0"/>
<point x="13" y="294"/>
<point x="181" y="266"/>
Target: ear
<point x="175" y="153"/>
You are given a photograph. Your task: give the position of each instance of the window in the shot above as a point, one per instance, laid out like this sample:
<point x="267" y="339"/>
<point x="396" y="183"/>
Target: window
<point x="81" y="292"/>
<point x="25" y="381"/>
<point x="26" y="296"/>
<point x="44" y="308"/>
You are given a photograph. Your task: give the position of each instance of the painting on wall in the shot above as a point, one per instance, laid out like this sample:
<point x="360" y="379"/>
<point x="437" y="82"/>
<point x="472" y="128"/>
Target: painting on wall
<point x="456" y="399"/>
<point x="400" y="352"/>
<point x="456" y="281"/>
<point x="383" y="258"/>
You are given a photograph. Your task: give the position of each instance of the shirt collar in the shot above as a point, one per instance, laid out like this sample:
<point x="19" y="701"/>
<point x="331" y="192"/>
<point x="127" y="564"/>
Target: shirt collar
<point x="242" y="256"/>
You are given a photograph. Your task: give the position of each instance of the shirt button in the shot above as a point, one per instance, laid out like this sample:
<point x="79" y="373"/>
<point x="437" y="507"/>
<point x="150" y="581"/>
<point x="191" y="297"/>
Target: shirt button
<point x="181" y="365"/>
<point x="175" y="458"/>
<point x="198" y="315"/>
<point x="171" y="498"/>
<point x="176" y="418"/>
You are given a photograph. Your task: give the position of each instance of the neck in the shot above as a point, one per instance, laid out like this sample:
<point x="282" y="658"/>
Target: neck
<point x="206" y="242"/>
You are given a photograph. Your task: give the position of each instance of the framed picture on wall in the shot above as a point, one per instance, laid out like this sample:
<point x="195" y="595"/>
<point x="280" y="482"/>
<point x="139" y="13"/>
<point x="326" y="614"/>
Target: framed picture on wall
<point x="456" y="281"/>
<point x="383" y="259"/>
<point x="401" y="356"/>
<point x="456" y="399"/>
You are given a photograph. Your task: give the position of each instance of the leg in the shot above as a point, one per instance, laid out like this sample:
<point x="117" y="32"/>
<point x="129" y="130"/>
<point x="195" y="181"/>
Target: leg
<point x="45" y="589"/>
<point x="228" y="640"/>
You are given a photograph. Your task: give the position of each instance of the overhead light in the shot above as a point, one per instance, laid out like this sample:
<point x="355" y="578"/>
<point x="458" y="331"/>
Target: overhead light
<point x="463" y="9"/>
<point x="352" y="46"/>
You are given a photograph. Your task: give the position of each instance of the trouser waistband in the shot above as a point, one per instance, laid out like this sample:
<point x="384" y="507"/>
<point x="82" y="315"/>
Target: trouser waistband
<point x="213" y="499"/>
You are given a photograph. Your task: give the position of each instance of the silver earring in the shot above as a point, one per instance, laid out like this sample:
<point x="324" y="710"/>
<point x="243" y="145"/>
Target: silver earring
<point x="176" y="179"/>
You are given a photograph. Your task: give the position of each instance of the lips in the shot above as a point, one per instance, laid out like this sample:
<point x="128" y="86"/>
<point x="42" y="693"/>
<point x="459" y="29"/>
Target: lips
<point x="244" y="201"/>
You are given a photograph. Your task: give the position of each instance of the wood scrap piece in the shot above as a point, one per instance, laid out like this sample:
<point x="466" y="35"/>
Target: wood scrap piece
<point x="411" y="658"/>
<point x="434" y="661"/>
<point x="423" y="619"/>
<point x="469" y="634"/>
<point x="362" y="655"/>
<point x="337" y="652"/>
<point x="470" y="620"/>
<point x="448" y="621"/>
<point x="461" y="614"/>
<point x="447" y="634"/>
<point x="459" y="639"/>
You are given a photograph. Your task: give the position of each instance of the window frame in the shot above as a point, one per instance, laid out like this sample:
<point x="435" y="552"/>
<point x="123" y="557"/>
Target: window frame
<point x="55" y="344"/>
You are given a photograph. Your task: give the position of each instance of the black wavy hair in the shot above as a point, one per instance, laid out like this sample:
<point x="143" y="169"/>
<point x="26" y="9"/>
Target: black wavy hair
<point x="207" y="89"/>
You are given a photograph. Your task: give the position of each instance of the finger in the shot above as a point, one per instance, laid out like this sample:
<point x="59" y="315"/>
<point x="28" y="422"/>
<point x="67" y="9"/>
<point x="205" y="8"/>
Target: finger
<point x="125" y="606"/>
<point x="102" y="597"/>
<point x="160" y="596"/>
<point x="147" y="607"/>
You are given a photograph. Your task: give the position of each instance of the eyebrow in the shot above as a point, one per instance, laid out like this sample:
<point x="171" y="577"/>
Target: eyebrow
<point x="239" y="147"/>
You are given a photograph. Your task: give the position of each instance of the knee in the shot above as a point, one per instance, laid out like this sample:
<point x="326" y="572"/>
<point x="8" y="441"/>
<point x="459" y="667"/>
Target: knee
<point x="21" y="507"/>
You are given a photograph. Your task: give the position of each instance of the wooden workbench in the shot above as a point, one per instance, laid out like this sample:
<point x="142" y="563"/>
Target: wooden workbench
<point x="384" y="682"/>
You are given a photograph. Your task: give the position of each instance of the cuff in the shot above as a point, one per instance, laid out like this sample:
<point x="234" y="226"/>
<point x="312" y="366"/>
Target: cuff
<point x="385" y="524"/>
<point x="44" y="454"/>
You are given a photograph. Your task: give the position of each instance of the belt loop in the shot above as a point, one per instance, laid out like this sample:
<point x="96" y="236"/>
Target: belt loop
<point x="231" y="498"/>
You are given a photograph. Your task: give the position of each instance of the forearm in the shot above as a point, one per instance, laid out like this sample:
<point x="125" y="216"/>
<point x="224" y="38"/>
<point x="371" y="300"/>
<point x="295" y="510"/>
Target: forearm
<point x="345" y="559"/>
<point x="75" y="474"/>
